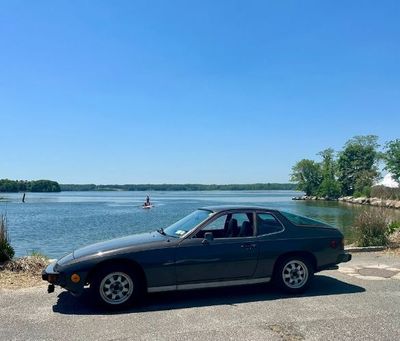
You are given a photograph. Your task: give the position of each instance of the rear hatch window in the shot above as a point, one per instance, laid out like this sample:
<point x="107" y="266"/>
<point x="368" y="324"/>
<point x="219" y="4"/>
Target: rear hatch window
<point x="303" y="221"/>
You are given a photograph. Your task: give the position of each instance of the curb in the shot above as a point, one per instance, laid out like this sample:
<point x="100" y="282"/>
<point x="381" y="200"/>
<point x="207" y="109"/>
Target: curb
<point x="365" y="248"/>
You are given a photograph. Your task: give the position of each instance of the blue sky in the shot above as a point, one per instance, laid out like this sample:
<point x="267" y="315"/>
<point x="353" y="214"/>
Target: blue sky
<point x="191" y="91"/>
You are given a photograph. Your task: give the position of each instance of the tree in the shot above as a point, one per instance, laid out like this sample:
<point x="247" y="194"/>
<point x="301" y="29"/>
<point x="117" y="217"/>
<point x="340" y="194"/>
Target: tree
<point x="357" y="165"/>
<point x="392" y="158"/>
<point x="329" y="187"/>
<point x="307" y="174"/>
<point x="7" y="185"/>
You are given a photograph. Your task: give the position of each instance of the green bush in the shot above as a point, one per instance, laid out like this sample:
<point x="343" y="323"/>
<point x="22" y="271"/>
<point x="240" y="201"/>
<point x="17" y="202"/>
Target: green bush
<point x="371" y="228"/>
<point x="6" y="250"/>
<point x="393" y="227"/>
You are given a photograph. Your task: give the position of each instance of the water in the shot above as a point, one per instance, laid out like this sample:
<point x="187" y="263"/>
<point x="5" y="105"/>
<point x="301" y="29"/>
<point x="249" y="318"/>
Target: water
<point x="57" y="223"/>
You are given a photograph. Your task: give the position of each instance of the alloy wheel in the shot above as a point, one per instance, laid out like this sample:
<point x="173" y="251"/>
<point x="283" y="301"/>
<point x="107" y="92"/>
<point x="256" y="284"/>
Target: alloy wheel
<point x="116" y="288"/>
<point x="295" y="274"/>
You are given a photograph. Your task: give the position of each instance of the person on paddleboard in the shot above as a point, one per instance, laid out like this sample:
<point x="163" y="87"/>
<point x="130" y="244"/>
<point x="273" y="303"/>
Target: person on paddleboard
<point x="147" y="202"/>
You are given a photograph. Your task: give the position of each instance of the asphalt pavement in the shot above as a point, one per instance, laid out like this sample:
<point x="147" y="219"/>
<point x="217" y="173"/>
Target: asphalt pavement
<point x="360" y="301"/>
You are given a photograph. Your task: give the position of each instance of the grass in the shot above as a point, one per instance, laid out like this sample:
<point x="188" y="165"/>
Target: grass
<point x="6" y="250"/>
<point x="393" y="227"/>
<point x="387" y="193"/>
<point x="37" y="254"/>
<point x="376" y="228"/>
<point x="371" y="228"/>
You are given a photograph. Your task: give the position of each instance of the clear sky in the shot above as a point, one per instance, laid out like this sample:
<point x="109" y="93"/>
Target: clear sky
<point x="191" y="91"/>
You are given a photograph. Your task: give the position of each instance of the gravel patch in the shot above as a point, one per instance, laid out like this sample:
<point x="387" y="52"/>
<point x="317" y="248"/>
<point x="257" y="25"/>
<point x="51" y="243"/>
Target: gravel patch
<point x="22" y="272"/>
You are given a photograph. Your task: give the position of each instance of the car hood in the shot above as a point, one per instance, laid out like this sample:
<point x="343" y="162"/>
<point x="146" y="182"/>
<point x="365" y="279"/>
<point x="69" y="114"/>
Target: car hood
<point x="119" y="243"/>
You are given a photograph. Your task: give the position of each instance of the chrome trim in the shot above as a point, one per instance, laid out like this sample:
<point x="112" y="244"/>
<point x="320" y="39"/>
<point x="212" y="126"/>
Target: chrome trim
<point x="209" y="284"/>
<point x="160" y="289"/>
<point x="271" y="233"/>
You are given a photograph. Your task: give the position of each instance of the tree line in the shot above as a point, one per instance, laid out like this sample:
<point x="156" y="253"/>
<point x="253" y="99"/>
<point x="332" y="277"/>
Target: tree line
<point x="7" y="185"/>
<point x="179" y="187"/>
<point x="351" y="171"/>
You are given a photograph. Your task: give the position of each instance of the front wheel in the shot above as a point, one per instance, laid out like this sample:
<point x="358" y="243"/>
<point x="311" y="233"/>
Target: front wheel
<point x="116" y="287"/>
<point x="293" y="274"/>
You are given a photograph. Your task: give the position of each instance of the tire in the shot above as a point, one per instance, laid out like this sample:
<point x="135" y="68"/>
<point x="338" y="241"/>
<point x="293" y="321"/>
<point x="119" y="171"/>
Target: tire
<point x="116" y="287"/>
<point x="293" y="274"/>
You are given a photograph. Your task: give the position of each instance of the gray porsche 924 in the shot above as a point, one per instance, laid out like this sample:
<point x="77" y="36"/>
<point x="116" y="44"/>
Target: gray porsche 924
<point x="211" y="247"/>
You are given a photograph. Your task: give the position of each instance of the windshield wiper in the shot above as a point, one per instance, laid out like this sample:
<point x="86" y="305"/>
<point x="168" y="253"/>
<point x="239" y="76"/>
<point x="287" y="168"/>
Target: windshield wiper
<point x="161" y="231"/>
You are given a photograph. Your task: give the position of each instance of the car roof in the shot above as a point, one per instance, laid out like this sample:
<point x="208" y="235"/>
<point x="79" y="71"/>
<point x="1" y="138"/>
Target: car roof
<point x="222" y="208"/>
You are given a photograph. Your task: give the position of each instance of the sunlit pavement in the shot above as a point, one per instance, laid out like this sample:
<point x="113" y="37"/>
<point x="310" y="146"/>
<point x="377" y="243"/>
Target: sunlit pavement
<point x="360" y="301"/>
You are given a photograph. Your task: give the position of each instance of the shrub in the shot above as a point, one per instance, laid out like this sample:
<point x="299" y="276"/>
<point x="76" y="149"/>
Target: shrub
<point x="384" y="192"/>
<point x="371" y="228"/>
<point x="6" y="250"/>
<point x="393" y="227"/>
<point x="30" y="264"/>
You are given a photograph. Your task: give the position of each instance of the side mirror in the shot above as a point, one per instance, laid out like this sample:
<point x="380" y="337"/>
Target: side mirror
<point x="208" y="237"/>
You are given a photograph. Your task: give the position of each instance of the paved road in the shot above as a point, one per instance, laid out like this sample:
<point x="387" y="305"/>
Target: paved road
<point x="338" y="306"/>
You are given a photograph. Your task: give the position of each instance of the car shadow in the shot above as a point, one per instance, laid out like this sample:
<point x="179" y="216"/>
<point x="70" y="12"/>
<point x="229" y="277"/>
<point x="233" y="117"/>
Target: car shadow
<point x="321" y="286"/>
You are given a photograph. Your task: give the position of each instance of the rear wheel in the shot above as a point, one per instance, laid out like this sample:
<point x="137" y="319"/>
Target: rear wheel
<point x="294" y="274"/>
<point x="117" y="287"/>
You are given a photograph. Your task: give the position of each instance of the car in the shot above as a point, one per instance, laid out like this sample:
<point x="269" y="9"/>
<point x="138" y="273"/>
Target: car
<point x="211" y="247"/>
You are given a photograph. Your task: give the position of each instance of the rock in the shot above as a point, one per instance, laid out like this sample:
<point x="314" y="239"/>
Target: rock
<point x="390" y="203"/>
<point x="373" y="201"/>
<point x="360" y="200"/>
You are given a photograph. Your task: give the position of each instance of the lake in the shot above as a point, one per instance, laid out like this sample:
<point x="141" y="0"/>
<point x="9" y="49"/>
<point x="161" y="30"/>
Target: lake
<point x="57" y="223"/>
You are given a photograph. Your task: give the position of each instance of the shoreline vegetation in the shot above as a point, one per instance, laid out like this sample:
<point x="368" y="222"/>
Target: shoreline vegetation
<point x="180" y="187"/>
<point x="350" y="176"/>
<point x="14" y="186"/>
<point x="372" y="201"/>
<point x="353" y="172"/>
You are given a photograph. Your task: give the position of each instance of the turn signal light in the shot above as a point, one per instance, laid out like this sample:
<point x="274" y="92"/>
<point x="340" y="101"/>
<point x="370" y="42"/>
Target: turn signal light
<point x="75" y="278"/>
<point x="52" y="278"/>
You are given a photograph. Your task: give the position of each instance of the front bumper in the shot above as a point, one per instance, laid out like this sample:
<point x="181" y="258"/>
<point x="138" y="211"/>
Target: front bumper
<point x="63" y="279"/>
<point x="50" y="275"/>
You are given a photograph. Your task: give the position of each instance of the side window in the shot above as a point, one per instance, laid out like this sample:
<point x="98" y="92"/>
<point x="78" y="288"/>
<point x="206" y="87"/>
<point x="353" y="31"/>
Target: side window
<point x="267" y="223"/>
<point x="245" y="224"/>
<point x="217" y="224"/>
<point x="230" y="226"/>
<point x="218" y="227"/>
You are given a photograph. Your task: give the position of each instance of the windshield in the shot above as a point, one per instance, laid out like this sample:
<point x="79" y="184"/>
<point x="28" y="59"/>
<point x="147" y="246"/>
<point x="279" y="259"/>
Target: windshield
<point x="184" y="225"/>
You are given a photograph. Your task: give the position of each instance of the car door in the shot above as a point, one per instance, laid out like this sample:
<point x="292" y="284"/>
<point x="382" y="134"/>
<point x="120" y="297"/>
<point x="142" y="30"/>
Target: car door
<point x="229" y="255"/>
<point x="272" y="242"/>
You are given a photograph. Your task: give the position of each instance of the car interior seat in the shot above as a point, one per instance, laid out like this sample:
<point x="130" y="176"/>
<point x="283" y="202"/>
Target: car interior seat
<point x="246" y="230"/>
<point x="233" y="228"/>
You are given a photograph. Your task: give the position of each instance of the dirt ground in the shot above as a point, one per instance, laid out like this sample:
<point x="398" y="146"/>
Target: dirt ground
<point x="23" y="272"/>
<point x="18" y="280"/>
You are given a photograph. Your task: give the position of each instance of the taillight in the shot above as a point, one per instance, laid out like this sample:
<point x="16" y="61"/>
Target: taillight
<point x="333" y="244"/>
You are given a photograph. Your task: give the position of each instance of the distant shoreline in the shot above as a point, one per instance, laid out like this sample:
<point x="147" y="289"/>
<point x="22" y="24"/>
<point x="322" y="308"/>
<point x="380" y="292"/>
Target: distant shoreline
<point x="17" y="186"/>
<point x="178" y="187"/>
